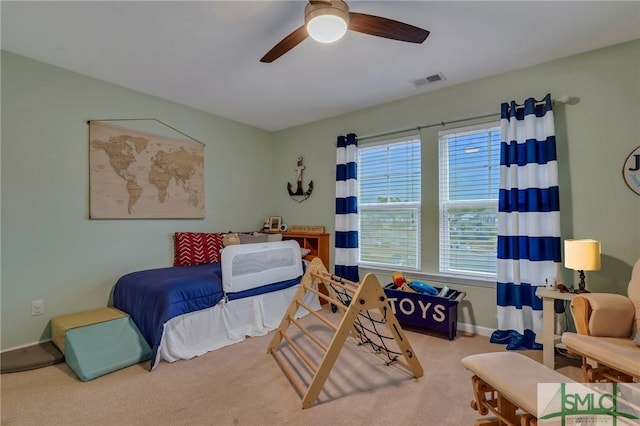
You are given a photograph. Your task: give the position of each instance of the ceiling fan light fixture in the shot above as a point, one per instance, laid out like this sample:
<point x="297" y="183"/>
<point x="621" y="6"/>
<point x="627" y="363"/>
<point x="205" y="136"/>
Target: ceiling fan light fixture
<point x="328" y="20"/>
<point x="327" y="23"/>
<point x="326" y="28"/>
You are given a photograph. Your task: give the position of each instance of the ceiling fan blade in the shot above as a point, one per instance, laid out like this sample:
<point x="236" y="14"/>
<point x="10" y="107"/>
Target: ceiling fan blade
<point x="387" y="28"/>
<point x="285" y="45"/>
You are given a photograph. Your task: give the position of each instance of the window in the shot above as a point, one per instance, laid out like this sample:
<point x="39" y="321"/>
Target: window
<point x="389" y="183"/>
<point x="469" y="178"/>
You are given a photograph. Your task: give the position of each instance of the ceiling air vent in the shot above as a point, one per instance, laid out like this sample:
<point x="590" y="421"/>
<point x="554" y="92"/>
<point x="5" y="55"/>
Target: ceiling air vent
<point x="429" y="79"/>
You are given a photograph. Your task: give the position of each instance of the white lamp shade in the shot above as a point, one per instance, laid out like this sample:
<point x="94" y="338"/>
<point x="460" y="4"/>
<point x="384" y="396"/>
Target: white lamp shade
<point x="326" y="28"/>
<point x="582" y="255"/>
<point x="326" y="22"/>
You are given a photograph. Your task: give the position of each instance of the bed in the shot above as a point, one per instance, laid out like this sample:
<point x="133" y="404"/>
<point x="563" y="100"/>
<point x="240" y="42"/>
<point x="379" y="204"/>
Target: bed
<point x="186" y="311"/>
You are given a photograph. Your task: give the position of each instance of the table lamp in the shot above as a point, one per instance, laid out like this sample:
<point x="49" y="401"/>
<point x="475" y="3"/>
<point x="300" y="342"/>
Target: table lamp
<point x="582" y="255"/>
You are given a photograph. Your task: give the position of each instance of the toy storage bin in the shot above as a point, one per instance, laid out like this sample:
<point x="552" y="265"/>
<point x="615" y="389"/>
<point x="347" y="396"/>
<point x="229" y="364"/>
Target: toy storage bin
<point x="439" y="314"/>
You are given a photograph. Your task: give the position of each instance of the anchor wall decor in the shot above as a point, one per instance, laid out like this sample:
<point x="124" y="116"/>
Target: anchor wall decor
<point x="300" y="195"/>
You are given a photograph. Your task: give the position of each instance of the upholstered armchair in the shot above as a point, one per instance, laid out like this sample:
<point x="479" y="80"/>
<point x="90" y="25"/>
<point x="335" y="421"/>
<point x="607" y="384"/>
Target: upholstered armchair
<point x="606" y="326"/>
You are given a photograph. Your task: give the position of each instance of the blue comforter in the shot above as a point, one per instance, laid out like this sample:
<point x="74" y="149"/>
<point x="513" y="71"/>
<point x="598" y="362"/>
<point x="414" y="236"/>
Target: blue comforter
<point x="153" y="297"/>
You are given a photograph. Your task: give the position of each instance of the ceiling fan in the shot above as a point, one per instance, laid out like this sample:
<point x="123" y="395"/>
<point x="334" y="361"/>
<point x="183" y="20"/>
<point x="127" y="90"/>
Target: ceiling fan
<point x="336" y="16"/>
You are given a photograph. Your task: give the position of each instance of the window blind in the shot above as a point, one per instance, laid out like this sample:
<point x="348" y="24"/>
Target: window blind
<point x="469" y="167"/>
<point x="390" y="182"/>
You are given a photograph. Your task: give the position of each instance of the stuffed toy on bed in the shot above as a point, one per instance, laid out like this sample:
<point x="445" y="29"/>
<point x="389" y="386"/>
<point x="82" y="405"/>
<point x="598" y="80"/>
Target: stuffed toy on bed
<point x="230" y="239"/>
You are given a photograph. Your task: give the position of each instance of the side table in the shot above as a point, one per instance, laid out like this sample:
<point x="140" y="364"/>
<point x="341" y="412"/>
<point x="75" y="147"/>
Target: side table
<point x="549" y="338"/>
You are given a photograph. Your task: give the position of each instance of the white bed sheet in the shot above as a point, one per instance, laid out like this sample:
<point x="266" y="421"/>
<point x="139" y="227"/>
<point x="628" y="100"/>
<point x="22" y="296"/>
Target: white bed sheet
<point x="197" y="333"/>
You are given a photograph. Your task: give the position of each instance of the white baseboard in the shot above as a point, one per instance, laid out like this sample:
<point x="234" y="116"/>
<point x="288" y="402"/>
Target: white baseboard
<point x="475" y="329"/>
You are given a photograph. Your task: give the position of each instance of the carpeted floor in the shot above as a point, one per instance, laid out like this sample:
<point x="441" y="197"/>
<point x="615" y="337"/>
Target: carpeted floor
<point x="242" y="385"/>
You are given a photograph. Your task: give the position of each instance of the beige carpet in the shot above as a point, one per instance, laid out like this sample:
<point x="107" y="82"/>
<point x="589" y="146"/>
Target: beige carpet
<point x="242" y="385"/>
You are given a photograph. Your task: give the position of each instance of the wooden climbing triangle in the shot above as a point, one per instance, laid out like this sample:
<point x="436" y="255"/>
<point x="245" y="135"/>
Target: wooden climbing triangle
<point x="354" y="300"/>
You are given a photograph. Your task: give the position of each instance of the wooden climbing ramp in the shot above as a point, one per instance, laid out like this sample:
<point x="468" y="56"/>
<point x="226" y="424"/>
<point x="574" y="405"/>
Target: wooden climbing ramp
<point x="367" y="315"/>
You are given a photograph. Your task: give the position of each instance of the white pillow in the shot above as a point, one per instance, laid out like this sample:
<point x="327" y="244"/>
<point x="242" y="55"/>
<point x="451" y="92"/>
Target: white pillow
<point x="304" y="252"/>
<point x="274" y="237"/>
<point x="253" y="238"/>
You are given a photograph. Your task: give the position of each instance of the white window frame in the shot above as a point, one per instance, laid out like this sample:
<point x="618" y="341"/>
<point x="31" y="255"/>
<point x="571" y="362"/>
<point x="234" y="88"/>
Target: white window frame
<point x="415" y="206"/>
<point x="445" y="204"/>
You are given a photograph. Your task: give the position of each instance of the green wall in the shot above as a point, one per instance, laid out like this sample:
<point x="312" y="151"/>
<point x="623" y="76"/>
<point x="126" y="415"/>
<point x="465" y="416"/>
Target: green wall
<point x="52" y="251"/>
<point x="595" y="134"/>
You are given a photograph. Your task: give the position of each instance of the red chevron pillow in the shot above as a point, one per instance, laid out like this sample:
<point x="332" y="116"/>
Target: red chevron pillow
<point x="195" y="248"/>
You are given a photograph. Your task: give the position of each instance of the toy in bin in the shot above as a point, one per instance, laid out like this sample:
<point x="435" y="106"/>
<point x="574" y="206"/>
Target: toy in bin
<point x="421" y="305"/>
<point x="414" y="286"/>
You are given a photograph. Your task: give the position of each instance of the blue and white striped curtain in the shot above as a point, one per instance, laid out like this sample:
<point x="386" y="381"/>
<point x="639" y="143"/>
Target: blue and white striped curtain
<point x="529" y="248"/>
<point x="346" y="241"/>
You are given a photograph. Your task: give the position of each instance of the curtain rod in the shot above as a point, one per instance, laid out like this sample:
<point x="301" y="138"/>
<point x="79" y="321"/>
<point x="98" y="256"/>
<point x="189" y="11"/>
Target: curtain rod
<point x="562" y="99"/>
<point x="148" y="119"/>
<point x="424" y="126"/>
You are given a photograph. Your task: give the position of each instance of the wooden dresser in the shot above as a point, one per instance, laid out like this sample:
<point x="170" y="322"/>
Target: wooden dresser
<point x="319" y="246"/>
<point x="317" y="243"/>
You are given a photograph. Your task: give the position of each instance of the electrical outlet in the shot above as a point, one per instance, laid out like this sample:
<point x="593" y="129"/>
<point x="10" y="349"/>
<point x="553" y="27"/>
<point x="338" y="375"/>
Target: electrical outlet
<point x="37" y="307"/>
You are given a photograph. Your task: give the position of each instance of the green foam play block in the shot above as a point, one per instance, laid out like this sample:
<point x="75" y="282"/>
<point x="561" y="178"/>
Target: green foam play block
<point x="98" y="349"/>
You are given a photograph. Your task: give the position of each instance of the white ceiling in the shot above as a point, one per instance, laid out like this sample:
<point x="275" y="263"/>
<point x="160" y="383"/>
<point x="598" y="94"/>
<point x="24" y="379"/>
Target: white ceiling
<point x="205" y="54"/>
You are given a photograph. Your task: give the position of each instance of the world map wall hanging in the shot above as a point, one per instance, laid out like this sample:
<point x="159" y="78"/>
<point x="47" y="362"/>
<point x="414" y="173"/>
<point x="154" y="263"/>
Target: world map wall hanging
<point x="139" y="175"/>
